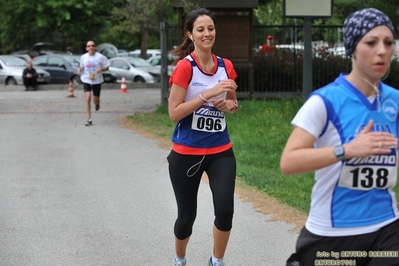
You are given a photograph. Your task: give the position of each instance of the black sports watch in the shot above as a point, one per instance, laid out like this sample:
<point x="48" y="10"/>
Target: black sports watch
<point x="339" y="151"/>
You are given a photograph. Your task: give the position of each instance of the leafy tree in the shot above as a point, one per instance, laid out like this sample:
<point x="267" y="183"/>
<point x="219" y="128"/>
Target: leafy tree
<point x="129" y="23"/>
<point x="270" y="13"/>
<point x="73" y="21"/>
<point x="139" y="18"/>
<point x="62" y="22"/>
<point x="18" y="24"/>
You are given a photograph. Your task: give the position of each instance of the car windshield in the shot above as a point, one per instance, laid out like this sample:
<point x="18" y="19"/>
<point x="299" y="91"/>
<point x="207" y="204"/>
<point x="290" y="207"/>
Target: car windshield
<point x="74" y="60"/>
<point x="13" y="61"/>
<point x="139" y="62"/>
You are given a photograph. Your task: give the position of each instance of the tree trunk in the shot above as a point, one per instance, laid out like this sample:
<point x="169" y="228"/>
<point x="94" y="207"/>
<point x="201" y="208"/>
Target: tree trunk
<point x="144" y="40"/>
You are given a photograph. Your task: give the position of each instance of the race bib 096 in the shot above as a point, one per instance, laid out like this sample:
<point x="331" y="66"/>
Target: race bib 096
<point x="208" y="119"/>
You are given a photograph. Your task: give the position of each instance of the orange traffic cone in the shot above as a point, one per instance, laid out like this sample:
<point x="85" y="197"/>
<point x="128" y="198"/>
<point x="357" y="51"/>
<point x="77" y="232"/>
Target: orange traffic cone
<point x="123" y="85"/>
<point x="70" y="90"/>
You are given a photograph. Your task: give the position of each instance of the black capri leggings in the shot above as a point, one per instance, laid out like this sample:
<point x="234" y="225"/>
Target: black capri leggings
<point x="185" y="174"/>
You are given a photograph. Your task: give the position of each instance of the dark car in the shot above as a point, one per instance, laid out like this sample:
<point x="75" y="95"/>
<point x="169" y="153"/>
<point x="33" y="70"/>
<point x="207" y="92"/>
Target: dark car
<point x="60" y="68"/>
<point x="64" y="67"/>
<point x="40" y="48"/>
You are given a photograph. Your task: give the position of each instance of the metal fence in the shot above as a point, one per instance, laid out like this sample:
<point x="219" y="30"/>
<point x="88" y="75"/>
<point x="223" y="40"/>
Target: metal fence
<point x="280" y="74"/>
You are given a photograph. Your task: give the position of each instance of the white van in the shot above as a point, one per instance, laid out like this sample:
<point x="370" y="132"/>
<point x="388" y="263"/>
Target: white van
<point x="150" y="53"/>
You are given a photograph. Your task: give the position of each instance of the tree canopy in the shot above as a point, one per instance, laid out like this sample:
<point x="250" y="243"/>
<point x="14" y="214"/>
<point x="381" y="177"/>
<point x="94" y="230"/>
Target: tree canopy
<point x="129" y="24"/>
<point x="61" y="22"/>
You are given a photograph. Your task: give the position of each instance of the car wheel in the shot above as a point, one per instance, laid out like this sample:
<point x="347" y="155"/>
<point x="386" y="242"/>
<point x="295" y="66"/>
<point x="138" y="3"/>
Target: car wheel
<point x="139" y="80"/>
<point x="76" y="80"/>
<point x="11" y="81"/>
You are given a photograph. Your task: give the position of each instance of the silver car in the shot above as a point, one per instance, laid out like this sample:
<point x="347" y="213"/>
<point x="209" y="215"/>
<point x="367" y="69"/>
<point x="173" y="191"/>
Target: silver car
<point x="134" y="69"/>
<point x="12" y="67"/>
<point x="156" y="61"/>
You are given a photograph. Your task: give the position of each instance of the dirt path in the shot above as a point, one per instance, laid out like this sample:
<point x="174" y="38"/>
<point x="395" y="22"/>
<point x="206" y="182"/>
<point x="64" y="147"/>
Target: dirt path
<point x="263" y="203"/>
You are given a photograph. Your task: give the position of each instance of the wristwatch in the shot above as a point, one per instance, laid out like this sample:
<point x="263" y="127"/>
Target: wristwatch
<point x="339" y="151"/>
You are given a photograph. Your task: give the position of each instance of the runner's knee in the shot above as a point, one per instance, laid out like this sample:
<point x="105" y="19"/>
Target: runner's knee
<point x="184" y="226"/>
<point x="224" y="219"/>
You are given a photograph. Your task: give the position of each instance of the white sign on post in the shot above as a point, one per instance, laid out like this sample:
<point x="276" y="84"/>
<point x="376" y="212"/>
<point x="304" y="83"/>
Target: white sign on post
<point x="308" y="8"/>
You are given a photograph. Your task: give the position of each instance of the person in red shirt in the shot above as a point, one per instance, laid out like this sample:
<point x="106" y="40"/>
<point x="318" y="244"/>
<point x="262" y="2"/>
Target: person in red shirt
<point x="268" y="47"/>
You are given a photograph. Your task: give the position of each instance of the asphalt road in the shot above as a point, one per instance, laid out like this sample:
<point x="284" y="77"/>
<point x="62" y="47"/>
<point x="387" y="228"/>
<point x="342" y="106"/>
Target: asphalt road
<point x="72" y="195"/>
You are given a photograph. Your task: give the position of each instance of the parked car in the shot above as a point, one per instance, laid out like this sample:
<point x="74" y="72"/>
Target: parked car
<point x="60" y="68"/>
<point x="12" y="67"/>
<point x="122" y="53"/>
<point x="150" y="53"/>
<point x="294" y="48"/>
<point x="25" y="57"/>
<point x="338" y="51"/>
<point x="156" y="61"/>
<point x="134" y="69"/>
<point x="143" y="64"/>
<point x="40" y="48"/>
<point x="109" y="77"/>
<point x="107" y="49"/>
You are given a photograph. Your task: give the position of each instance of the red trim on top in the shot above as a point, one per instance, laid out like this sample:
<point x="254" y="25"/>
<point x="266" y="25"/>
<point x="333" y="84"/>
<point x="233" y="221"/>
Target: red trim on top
<point x="200" y="151"/>
<point x="183" y="71"/>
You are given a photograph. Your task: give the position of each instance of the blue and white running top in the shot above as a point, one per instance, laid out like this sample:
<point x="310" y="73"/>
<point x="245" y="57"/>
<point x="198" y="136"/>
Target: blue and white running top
<point x="354" y="196"/>
<point x="206" y="127"/>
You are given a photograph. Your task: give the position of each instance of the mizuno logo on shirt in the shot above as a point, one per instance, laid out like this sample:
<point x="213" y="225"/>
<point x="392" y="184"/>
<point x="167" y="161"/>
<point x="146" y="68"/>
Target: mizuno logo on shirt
<point x="207" y="112"/>
<point x="198" y="84"/>
<point x="373" y="160"/>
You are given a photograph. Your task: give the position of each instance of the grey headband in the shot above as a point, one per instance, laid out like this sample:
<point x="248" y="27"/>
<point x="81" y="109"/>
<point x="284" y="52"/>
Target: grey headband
<point x="357" y="24"/>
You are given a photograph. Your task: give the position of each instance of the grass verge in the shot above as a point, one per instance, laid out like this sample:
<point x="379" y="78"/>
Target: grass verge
<point x="258" y="131"/>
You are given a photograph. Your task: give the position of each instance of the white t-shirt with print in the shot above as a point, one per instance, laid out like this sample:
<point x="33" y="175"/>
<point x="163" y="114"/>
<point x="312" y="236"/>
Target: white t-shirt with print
<point x="91" y="63"/>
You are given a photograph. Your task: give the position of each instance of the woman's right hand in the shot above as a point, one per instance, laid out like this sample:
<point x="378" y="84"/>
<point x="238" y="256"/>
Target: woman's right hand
<point x="368" y="143"/>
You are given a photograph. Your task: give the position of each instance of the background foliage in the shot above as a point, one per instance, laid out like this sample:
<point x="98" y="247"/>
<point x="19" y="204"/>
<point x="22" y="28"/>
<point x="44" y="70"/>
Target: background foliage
<point x="128" y="24"/>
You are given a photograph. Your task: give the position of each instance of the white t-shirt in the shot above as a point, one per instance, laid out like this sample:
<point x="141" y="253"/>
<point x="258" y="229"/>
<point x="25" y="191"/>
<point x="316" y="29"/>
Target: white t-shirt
<point x="90" y="64"/>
